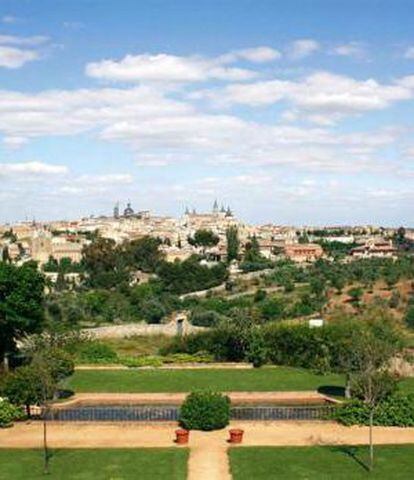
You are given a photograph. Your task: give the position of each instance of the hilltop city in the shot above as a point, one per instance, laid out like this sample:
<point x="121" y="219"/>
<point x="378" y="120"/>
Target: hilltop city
<point x="42" y="241"/>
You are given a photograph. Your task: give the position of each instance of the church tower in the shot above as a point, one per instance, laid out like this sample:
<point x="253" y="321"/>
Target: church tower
<point x="215" y="207"/>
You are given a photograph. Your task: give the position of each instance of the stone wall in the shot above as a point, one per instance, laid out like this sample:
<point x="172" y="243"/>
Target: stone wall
<point x="176" y="326"/>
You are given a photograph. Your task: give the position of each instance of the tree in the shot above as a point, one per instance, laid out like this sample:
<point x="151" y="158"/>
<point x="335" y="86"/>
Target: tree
<point x="103" y="263"/>
<point x="252" y="251"/>
<point x="21" y="303"/>
<point x="367" y="359"/>
<point x="233" y="243"/>
<point x="143" y="254"/>
<point x="204" y="238"/>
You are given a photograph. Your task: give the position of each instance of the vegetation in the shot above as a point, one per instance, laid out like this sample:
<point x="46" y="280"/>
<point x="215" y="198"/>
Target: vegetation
<point x="98" y="464"/>
<point x="336" y="462"/>
<point x="394" y="411"/>
<point x="233" y="243"/>
<point x="205" y="411"/>
<point x="9" y="413"/>
<point x="21" y="303"/>
<point x="261" y="380"/>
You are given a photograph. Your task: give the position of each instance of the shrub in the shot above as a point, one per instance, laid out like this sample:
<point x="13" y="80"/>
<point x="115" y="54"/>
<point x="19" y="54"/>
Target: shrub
<point x="395" y="411"/>
<point x="143" y="361"/>
<point x="256" y="349"/>
<point x="9" y="413"/>
<point x="409" y="317"/>
<point x="205" y="411"/>
<point x="199" y="357"/>
<point x="96" y="352"/>
<point x="158" y="361"/>
<point x="208" y="318"/>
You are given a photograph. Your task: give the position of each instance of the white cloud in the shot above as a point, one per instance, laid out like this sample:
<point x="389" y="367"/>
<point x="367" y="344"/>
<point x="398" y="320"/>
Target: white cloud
<point x="352" y="49"/>
<point x="106" y="179"/>
<point x="409" y="53"/>
<point x="14" y="142"/>
<point x="23" y="41"/>
<point x="66" y="112"/>
<point x="303" y="48"/>
<point x="259" y="54"/>
<point x="321" y="97"/>
<point x="32" y="168"/>
<point x="11" y="57"/>
<point x="165" y="68"/>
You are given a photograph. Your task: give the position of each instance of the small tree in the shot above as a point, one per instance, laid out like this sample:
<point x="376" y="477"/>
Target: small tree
<point x="233" y="243"/>
<point x="366" y="357"/>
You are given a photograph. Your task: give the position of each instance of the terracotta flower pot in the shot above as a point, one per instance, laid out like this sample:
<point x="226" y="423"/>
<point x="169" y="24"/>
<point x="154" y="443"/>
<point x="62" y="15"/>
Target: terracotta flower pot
<point x="236" y="435"/>
<point x="181" y="436"/>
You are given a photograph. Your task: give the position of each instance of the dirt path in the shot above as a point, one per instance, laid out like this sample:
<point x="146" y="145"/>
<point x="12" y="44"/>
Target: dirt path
<point x="208" y="457"/>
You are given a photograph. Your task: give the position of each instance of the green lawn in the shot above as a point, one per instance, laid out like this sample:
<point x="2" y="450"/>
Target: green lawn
<point x="85" y="464"/>
<point x="394" y="462"/>
<point x="264" y="379"/>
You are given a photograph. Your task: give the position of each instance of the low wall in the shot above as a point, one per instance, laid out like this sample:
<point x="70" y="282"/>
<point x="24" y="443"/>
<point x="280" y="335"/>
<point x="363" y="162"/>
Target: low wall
<point x="141" y="329"/>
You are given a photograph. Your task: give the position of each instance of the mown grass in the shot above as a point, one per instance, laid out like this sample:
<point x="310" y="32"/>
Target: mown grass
<point x="184" y="380"/>
<point x="91" y="464"/>
<point x="323" y="463"/>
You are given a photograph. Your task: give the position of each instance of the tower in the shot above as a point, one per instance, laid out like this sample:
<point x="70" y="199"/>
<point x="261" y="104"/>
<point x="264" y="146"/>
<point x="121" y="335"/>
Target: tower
<point x="116" y="210"/>
<point x="215" y="207"/>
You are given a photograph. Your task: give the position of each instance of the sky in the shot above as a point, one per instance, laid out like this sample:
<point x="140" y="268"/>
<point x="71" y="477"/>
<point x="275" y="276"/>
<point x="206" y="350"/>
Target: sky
<point x="291" y="112"/>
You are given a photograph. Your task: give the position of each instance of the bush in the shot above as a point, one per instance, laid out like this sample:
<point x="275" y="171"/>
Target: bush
<point x="9" y="413"/>
<point x="395" y="411"/>
<point x="143" y="361"/>
<point x="409" y="317"/>
<point x="96" y="352"/>
<point x="256" y="349"/>
<point x="205" y="411"/>
<point x="158" y="361"/>
<point x="208" y="318"/>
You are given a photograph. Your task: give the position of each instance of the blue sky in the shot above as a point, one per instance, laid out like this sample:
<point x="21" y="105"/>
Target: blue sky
<point x="296" y="112"/>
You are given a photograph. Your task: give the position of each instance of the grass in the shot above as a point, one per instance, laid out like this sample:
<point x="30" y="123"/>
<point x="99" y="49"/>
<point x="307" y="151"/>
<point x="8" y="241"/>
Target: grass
<point x="264" y="379"/>
<point x="102" y="464"/>
<point x="138" y="345"/>
<point x="322" y="463"/>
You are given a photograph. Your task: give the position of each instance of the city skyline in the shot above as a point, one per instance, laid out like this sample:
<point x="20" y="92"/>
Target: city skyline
<point x="301" y="118"/>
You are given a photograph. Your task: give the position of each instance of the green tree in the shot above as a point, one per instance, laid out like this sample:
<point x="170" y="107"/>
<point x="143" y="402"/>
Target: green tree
<point x="204" y="238"/>
<point x="252" y="251"/>
<point x="21" y="303"/>
<point x="233" y="243"/>
<point x="143" y="254"/>
<point x="367" y="359"/>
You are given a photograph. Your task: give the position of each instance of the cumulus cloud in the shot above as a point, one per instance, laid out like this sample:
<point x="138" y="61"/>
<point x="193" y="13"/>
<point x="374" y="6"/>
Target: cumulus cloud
<point x="11" y="57"/>
<point x="321" y="97"/>
<point x="68" y="112"/>
<point x="303" y="48"/>
<point x="166" y="68"/>
<point x="12" y="53"/>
